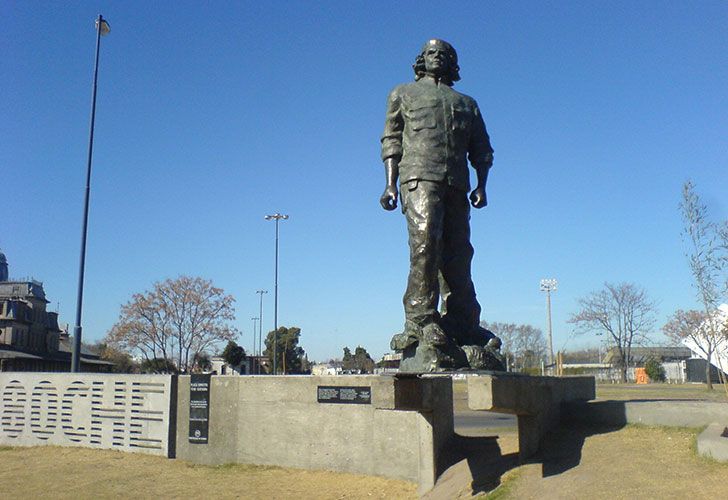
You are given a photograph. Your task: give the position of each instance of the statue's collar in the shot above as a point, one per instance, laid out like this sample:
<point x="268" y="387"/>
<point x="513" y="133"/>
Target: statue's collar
<point x="434" y="80"/>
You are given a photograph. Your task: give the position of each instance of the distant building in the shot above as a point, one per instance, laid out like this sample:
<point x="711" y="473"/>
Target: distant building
<point x="322" y="369"/>
<point x="221" y="367"/>
<point x="682" y="364"/>
<point x="639" y="355"/>
<point x="30" y="338"/>
<point x="389" y="363"/>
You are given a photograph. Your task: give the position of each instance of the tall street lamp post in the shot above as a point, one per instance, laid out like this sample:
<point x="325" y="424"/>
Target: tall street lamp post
<point x="260" y="325"/>
<point x="276" y="217"/>
<point x="102" y="28"/>
<point x="548" y="286"/>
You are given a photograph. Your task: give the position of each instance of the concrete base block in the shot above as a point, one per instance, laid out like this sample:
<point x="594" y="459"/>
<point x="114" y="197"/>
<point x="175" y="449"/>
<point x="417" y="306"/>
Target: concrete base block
<point x="278" y="420"/>
<point x="713" y="442"/>
<point x="536" y="400"/>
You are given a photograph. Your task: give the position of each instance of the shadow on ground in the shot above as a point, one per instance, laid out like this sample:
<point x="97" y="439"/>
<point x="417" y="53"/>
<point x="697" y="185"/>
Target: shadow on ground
<point x="561" y="448"/>
<point x="473" y="465"/>
<point x="483" y="458"/>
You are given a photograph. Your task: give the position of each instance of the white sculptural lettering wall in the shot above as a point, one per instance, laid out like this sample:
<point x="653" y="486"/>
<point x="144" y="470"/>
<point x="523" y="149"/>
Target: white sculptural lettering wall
<point x="124" y="412"/>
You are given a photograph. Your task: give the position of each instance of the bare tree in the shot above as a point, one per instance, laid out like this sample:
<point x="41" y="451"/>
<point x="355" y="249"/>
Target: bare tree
<point x="178" y="320"/>
<point x="523" y="344"/>
<point x="708" y="257"/>
<point x="707" y="333"/>
<point x="622" y="311"/>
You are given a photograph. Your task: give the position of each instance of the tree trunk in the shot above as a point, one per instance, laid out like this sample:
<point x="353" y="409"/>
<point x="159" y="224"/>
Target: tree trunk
<point x="708" y="380"/>
<point x="624" y="373"/>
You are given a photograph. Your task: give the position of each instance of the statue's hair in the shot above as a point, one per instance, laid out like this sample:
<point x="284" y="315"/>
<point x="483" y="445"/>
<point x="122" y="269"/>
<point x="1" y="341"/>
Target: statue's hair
<point x="449" y="79"/>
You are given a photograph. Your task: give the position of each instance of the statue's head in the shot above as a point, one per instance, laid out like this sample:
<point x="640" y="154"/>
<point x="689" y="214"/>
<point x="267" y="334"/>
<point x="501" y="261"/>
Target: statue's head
<point x="439" y="59"/>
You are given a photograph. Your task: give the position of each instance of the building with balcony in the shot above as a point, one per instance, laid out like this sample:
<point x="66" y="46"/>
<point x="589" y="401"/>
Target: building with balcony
<point x="30" y="337"/>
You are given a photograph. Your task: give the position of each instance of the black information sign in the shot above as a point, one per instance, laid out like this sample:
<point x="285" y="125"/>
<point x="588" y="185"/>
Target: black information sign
<point x="199" y="408"/>
<point x="344" y="395"/>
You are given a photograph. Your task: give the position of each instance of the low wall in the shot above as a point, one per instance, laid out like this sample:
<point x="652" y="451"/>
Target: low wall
<point x="674" y="413"/>
<point x="276" y="420"/>
<point x="123" y="412"/>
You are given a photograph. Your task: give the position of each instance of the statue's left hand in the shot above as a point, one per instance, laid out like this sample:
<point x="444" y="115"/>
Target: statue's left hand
<point x="478" y="198"/>
<point x="388" y="199"/>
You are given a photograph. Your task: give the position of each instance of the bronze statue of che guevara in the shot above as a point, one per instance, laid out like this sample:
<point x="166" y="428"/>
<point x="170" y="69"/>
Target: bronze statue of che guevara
<point x="430" y="134"/>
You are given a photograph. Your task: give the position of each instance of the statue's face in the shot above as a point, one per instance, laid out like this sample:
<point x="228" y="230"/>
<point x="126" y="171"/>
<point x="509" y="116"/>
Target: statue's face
<point x="437" y="61"/>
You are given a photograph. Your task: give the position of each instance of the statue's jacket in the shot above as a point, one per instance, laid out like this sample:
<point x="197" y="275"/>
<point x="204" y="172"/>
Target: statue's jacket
<point x="432" y="130"/>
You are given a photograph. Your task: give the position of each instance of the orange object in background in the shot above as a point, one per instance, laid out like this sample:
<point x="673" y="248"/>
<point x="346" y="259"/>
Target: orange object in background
<point x="641" y="376"/>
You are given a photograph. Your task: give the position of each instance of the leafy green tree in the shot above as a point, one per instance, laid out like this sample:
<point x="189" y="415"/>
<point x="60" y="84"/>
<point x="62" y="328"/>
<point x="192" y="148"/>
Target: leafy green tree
<point x="655" y="370"/>
<point x="290" y="354"/>
<point x="306" y="365"/>
<point x="363" y="360"/>
<point x="202" y="362"/>
<point x="233" y="354"/>
<point x="347" y="362"/>
<point x="360" y="361"/>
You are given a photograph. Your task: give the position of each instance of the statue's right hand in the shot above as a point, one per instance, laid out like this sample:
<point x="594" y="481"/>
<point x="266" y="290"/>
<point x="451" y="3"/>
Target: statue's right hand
<point x="389" y="198"/>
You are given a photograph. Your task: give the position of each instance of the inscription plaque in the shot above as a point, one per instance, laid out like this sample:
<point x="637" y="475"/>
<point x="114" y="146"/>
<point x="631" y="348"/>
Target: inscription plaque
<point x="361" y="395"/>
<point x="199" y="408"/>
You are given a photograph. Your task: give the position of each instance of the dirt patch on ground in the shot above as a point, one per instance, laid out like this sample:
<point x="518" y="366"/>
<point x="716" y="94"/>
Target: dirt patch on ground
<point x="54" y="472"/>
<point x="631" y="462"/>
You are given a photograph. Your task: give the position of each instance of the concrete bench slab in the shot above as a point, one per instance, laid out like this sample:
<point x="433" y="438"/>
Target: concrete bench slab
<point x="713" y="442"/>
<point x="535" y="400"/>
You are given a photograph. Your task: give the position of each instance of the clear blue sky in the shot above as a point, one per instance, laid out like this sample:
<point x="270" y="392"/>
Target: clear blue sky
<point x="213" y="114"/>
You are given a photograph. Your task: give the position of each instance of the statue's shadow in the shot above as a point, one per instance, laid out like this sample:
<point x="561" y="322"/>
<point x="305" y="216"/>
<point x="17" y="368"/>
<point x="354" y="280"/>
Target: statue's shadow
<point x="480" y="460"/>
<point x="477" y="460"/>
<point x="561" y="448"/>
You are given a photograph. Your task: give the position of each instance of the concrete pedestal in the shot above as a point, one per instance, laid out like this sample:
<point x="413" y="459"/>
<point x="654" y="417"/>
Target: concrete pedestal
<point x="280" y="420"/>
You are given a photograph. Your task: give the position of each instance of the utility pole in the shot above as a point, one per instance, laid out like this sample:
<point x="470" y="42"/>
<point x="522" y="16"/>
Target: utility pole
<point x="276" y="217"/>
<point x="255" y="334"/>
<point x="549" y="285"/>
<point x="260" y="326"/>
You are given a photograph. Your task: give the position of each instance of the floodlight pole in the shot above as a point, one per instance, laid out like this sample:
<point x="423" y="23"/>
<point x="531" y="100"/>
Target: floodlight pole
<point x="102" y="27"/>
<point x="276" y="217"/>
<point x="549" y="285"/>
<point x="260" y="326"/>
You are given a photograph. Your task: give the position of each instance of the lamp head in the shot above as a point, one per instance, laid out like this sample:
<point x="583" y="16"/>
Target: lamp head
<point x="549" y="284"/>
<point x="103" y="26"/>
